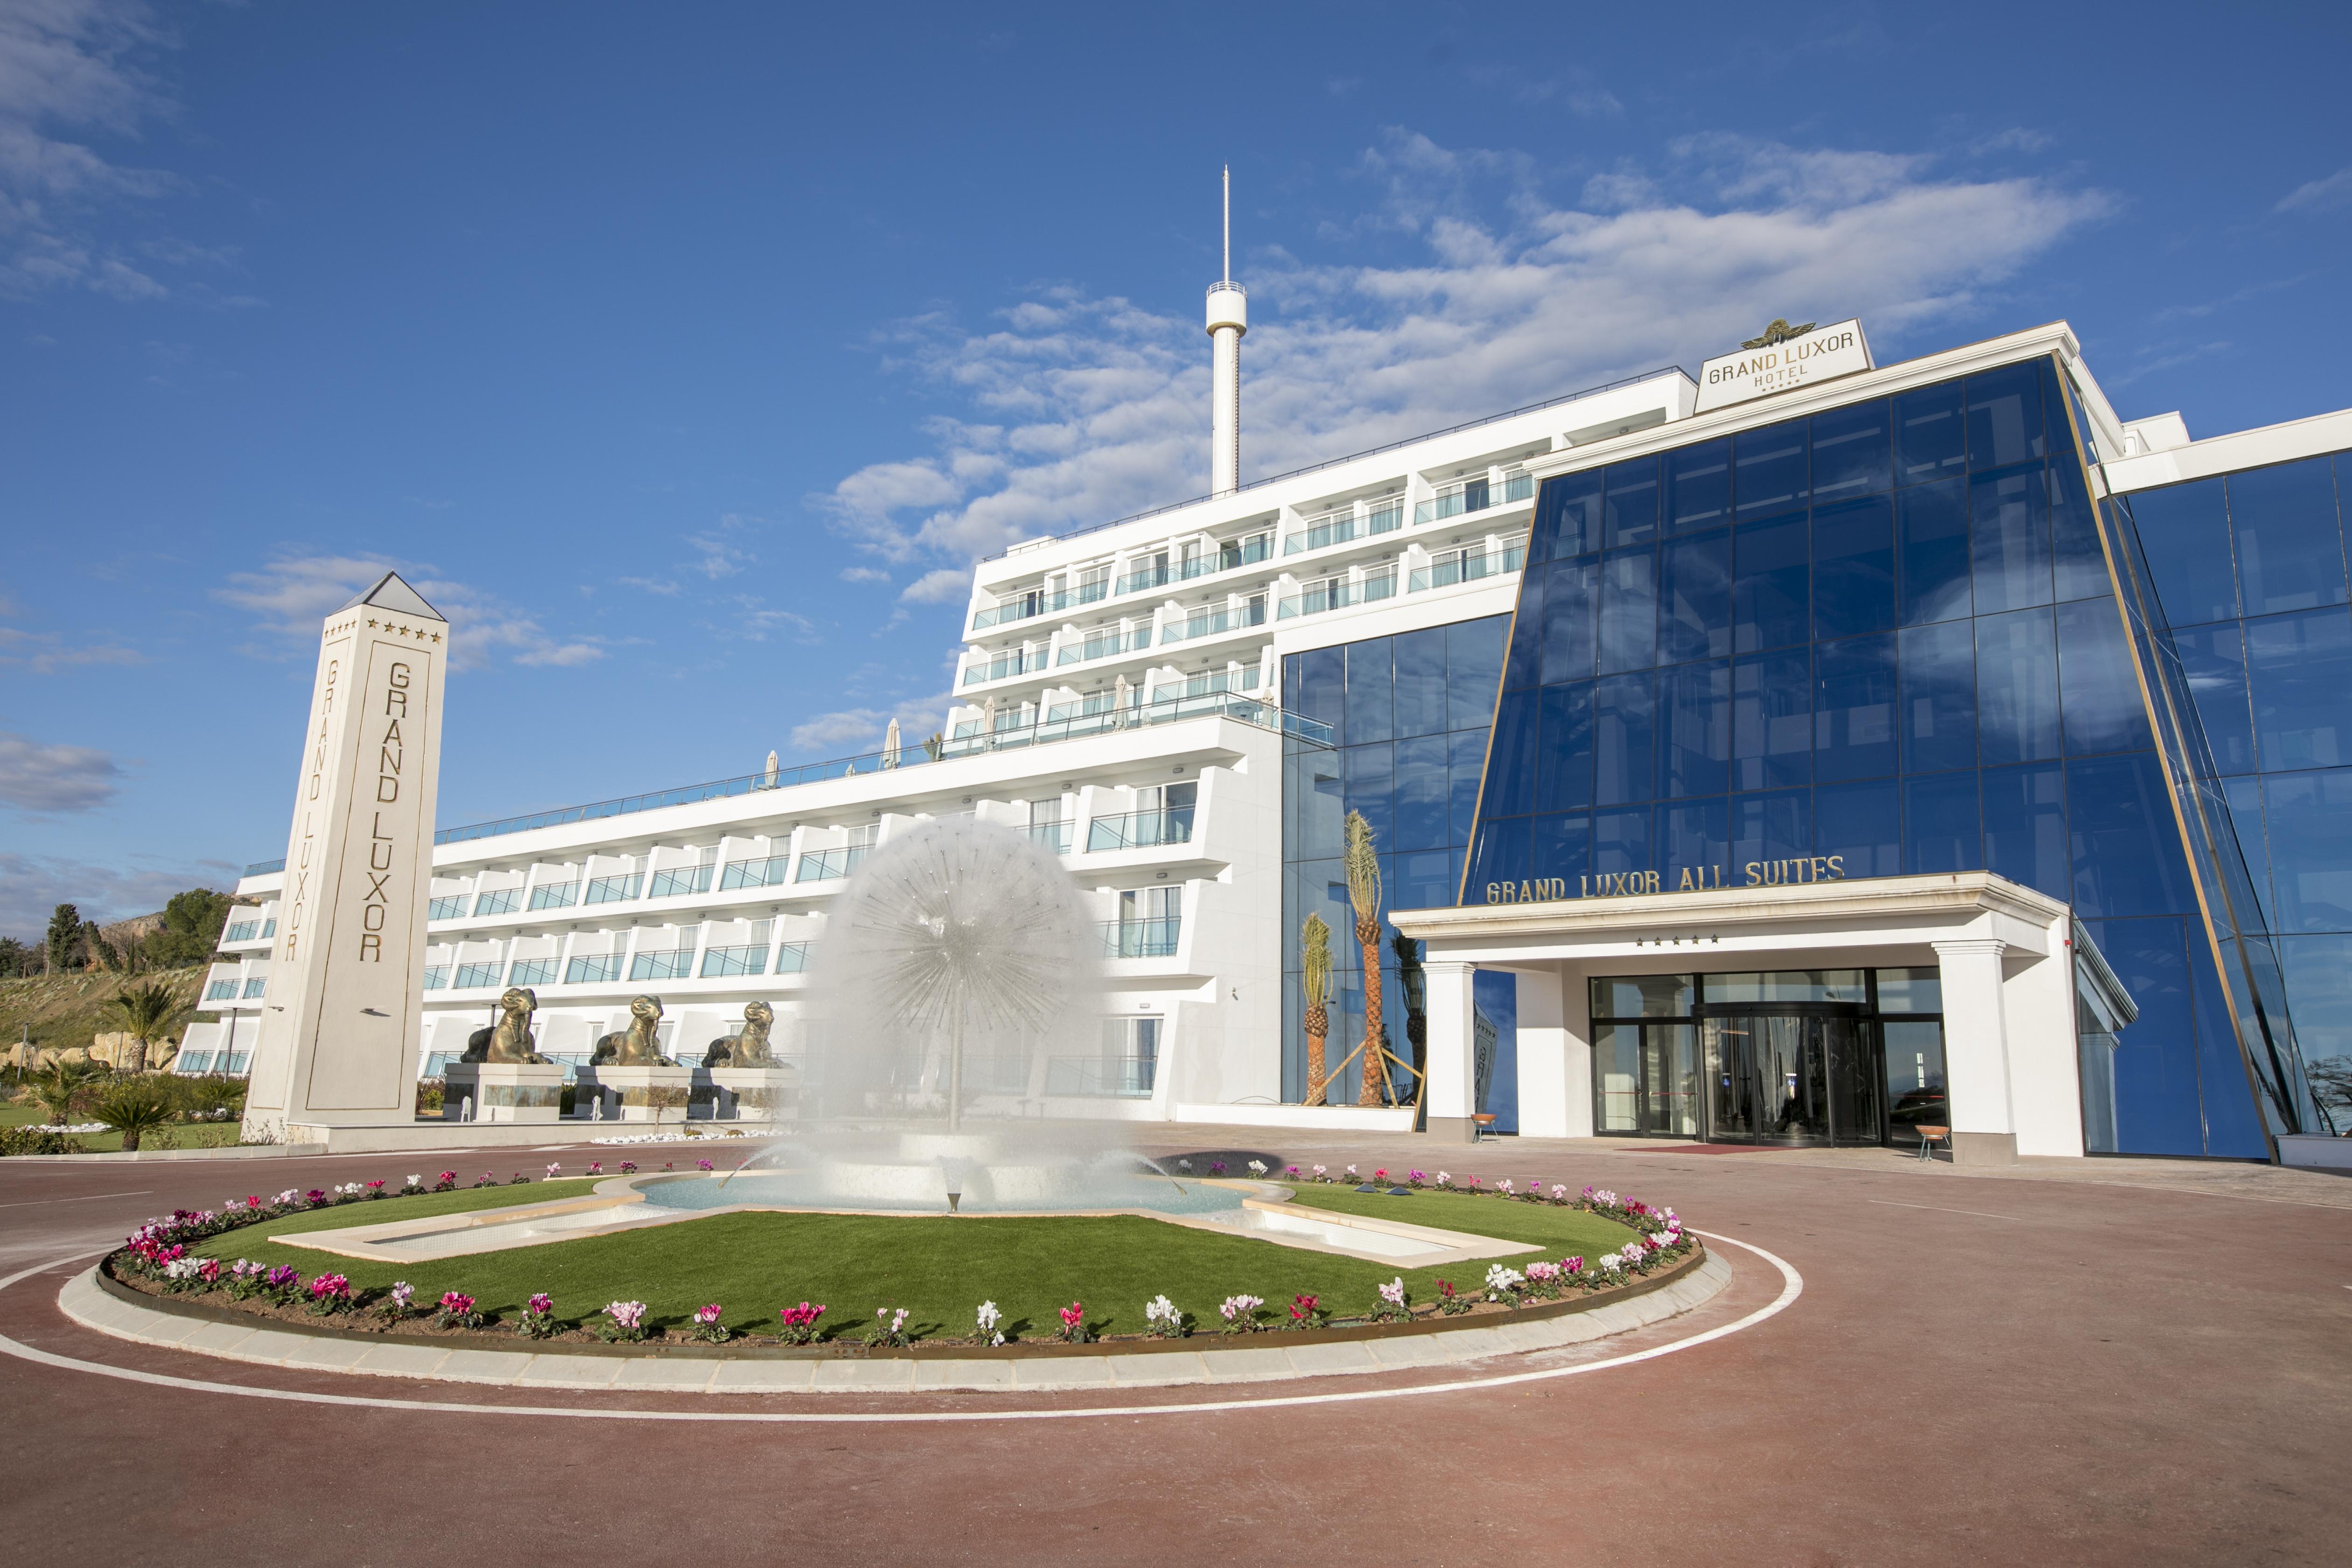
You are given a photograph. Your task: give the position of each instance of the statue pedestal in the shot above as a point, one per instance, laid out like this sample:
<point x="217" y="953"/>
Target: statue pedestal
<point x="504" y="1091"/>
<point x="756" y="1094"/>
<point x="639" y="1094"/>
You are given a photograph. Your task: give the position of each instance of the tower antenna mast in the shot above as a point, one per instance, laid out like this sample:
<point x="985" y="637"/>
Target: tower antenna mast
<point x="1228" y="272"/>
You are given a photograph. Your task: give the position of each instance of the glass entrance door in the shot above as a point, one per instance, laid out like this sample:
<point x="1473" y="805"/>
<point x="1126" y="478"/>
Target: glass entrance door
<point x="1791" y="1077"/>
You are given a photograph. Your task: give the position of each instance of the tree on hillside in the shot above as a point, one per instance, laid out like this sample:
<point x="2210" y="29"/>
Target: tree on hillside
<point x="15" y="958"/>
<point x="64" y="937"/>
<point x="192" y="928"/>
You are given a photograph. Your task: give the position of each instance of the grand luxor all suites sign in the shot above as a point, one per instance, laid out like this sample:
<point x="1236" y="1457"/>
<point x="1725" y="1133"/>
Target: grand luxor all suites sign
<point x="1693" y="880"/>
<point x="1783" y="359"/>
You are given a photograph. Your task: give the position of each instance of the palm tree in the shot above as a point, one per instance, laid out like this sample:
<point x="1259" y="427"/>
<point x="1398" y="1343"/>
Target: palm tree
<point x="1314" y="958"/>
<point x="146" y="1013"/>
<point x="1363" y="866"/>
<point x="134" y="1109"/>
<point x="57" y="1086"/>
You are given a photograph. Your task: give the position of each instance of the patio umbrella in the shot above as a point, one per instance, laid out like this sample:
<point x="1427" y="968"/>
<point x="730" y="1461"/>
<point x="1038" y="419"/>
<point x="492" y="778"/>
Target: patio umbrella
<point x="890" y="745"/>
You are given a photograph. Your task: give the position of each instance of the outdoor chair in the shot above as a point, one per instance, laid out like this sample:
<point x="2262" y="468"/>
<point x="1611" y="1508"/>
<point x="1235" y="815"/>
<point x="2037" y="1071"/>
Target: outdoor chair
<point x="1480" y="1123"/>
<point x="1927" y="1136"/>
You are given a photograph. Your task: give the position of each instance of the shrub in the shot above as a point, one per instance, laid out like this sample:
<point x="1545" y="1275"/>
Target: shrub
<point x="799" y="1323"/>
<point x="37" y="1141"/>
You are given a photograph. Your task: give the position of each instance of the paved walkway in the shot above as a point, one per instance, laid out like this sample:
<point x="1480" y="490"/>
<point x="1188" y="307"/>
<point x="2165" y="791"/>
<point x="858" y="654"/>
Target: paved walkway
<point x="2126" y="1362"/>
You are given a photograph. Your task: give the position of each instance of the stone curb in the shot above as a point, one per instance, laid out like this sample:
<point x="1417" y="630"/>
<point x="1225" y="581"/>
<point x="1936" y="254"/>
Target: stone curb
<point x="86" y="1304"/>
<point x="228" y="1152"/>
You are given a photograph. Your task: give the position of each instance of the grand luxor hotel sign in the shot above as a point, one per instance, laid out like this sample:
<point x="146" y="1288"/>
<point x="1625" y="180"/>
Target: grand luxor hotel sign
<point x="1783" y="359"/>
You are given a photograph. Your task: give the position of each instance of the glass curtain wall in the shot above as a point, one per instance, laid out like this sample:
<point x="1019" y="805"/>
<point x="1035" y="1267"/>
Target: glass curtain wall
<point x="2247" y="574"/>
<point x="1409" y="715"/>
<point x="1885" y="632"/>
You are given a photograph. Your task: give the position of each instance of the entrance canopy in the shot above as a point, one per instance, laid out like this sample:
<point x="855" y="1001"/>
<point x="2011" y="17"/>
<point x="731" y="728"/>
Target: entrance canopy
<point x="2004" y="954"/>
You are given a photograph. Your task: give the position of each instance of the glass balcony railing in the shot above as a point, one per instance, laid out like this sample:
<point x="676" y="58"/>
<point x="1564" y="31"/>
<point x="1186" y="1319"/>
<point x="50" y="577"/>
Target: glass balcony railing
<point x="470" y="976"/>
<point x="534" y="972"/>
<point x="1447" y="570"/>
<point x="1019" y="609"/>
<point x="1215" y="623"/>
<point x="1477" y="495"/>
<point x="450" y="908"/>
<point x="1342" y="526"/>
<point x="768" y="873"/>
<point x="617" y="889"/>
<point x="255" y="984"/>
<point x="1104" y="644"/>
<point x="827" y="865"/>
<point x="221" y="990"/>
<point x="555" y="895"/>
<point x="1150" y="575"/>
<point x="719" y="962"/>
<point x="264" y="868"/>
<point x="1336" y="595"/>
<point x="792" y="957"/>
<point x="1054" y="836"/>
<point x="674" y="965"/>
<point x="679" y="882"/>
<point x="499" y="902"/>
<point x="1139" y="830"/>
<point x="436" y="977"/>
<point x="1116" y="1077"/>
<point x="593" y="969"/>
<point x="268" y="928"/>
<point x="1142" y="939"/>
<point x="1004" y="666"/>
<point x="243" y="930"/>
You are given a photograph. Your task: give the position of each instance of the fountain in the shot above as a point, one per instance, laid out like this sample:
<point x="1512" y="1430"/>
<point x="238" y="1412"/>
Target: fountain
<point x="958" y="966"/>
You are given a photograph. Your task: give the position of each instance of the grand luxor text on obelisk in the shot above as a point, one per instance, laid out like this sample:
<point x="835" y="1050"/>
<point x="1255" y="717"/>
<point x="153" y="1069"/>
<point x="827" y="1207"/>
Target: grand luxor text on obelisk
<point x="346" y="977"/>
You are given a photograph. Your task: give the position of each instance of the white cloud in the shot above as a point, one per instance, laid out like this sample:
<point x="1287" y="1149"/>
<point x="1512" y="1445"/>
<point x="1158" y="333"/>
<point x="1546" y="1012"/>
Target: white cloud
<point x="2319" y="196"/>
<point x="850" y="728"/>
<point x="863" y="575"/>
<point x="32" y="886"/>
<point x="944" y="585"/>
<point x="292" y="594"/>
<point x="1080" y="408"/>
<point x="72" y="64"/>
<point x="45" y="653"/>
<point x="40" y="777"/>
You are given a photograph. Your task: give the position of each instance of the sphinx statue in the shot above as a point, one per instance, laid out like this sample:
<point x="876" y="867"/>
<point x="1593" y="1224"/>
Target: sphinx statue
<point x="638" y="1046"/>
<point x="748" y="1047"/>
<point x="510" y="1040"/>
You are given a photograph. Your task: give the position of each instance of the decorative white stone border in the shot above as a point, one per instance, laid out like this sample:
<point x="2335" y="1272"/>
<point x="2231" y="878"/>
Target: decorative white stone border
<point x="1262" y="1360"/>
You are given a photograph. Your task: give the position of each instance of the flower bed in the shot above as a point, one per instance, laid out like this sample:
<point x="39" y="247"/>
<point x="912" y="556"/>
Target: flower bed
<point x="161" y="1260"/>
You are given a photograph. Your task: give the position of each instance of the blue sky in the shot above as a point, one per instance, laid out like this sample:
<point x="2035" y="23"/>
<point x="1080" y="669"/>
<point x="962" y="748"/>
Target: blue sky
<point x="687" y="355"/>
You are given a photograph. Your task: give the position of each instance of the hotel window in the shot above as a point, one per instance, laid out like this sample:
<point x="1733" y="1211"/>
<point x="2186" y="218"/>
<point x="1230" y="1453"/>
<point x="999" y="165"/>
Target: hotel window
<point x="1149" y="922"/>
<point x="221" y="990"/>
<point x="615" y="889"/>
<point x="1049" y="824"/>
<point x="501" y="901"/>
<point x="243" y="930"/>
<point x="682" y="879"/>
<point x="534" y="972"/>
<point x="555" y="895"/>
<point x="255" y="986"/>
<point x="450" y="907"/>
<point x="436" y="977"/>
<point x="470" y="976"/>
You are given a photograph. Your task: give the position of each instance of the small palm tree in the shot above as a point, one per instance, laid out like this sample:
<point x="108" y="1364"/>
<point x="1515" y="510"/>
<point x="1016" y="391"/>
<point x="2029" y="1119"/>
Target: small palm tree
<point x="1363" y="867"/>
<point x="146" y="1012"/>
<point x="57" y="1086"/>
<point x="1314" y="958"/>
<point x="132" y="1110"/>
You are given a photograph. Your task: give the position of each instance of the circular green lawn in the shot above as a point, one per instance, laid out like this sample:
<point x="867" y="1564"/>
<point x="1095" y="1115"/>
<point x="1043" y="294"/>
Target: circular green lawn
<point x="940" y="1268"/>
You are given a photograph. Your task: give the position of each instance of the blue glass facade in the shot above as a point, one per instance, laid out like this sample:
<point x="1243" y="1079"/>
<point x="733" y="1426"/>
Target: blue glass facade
<point x="1409" y="715"/>
<point x="2249" y="568"/>
<point x="1888" y="633"/>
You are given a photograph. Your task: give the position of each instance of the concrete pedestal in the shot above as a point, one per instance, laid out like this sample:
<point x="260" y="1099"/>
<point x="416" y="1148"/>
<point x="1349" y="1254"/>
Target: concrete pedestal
<point x="756" y="1094"/>
<point x="638" y="1094"/>
<point x="503" y="1091"/>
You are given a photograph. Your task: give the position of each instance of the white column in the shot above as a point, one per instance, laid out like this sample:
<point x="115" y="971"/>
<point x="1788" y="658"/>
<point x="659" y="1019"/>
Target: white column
<point x="1453" y="1085"/>
<point x="346" y="975"/>
<point x="1976" y="1051"/>
<point x="1544" y="1082"/>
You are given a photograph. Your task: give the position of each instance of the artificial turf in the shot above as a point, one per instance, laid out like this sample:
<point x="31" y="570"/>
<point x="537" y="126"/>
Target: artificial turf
<point x="939" y="1267"/>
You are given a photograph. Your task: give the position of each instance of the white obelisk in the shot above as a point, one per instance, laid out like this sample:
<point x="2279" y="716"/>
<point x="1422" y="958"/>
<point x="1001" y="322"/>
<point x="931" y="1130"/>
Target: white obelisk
<point x="341" y="1020"/>
<point x="1228" y="320"/>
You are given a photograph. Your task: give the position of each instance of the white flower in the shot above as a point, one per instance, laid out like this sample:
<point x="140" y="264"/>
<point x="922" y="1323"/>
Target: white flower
<point x="1393" y="1291"/>
<point x="1443" y="1179"/>
<point x="1162" y="1312"/>
<point x="1257" y="1167"/>
<point x="1351" y="1170"/>
<point x="1500" y="1278"/>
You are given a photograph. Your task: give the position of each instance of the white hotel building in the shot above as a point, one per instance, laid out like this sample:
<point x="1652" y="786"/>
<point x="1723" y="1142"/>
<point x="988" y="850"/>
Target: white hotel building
<point x="1143" y="696"/>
